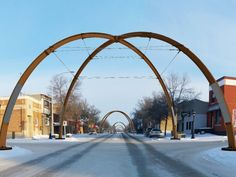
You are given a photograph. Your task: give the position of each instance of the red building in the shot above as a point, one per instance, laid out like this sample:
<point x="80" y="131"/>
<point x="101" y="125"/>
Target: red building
<point x="214" y="117"/>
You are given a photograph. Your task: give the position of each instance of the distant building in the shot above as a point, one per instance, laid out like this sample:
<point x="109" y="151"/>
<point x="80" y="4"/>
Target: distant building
<point x="46" y="111"/>
<point x="166" y="124"/>
<point x="215" y="119"/>
<point x="28" y="117"/>
<point x="185" y="115"/>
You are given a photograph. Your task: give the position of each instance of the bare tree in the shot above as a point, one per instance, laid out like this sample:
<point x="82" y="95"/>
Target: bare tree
<point x="89" y="114"/>
<point x="179" y="88"/>
<point x="58" y="89"/>
<point x="155" y="108"/>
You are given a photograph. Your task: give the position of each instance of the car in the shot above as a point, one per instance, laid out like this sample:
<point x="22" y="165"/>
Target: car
<point x="92" y="133"/>
<point x="68" y="135"/>
<point x="55" y="135"/>
<point x="155" y="132"/>
<point x="147" y="132"/>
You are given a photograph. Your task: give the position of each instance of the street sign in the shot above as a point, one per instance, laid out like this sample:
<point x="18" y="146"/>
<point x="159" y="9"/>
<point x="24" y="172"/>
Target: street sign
<point x="64" y="123"/>
<point x="234" y="117"/>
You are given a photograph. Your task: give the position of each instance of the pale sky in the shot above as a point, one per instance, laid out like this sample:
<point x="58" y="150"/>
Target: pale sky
<point x="207" y="27"/>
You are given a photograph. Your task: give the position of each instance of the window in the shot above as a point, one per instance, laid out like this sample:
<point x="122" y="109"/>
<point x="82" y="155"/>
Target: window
<point x="36" y="122"/>
<point x="46" y="104"/>
<point x="47" y="121"/>
<point x="190" y="125"/>
<point x="186" y="125"/>
<point x="217" y="117"/>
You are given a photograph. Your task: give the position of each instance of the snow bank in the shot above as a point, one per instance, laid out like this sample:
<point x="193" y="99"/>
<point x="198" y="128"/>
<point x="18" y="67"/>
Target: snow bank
<point x="225" y="158"/>
<point x="198" y="138"/>
<point x="45" y="139"/>
<point x="37" y="137"/>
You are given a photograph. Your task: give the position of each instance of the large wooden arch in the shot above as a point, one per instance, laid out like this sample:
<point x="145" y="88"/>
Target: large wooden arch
<point x="138" y="52"/>
<point x="131" y="124"/>
<point x="121" y="39"/>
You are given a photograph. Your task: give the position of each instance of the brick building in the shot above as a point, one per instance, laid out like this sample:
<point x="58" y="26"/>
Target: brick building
<point x="27" y="118"/>
<point x="214" y="117"/>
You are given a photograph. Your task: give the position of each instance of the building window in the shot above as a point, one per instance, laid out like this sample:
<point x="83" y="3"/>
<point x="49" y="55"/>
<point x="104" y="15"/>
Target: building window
<point x="217" y="117"/>
<point x="47" y="121"/>
<point x="36" y="122"/>
<point x="190" y="125"/>
<point x="46" y="104"/>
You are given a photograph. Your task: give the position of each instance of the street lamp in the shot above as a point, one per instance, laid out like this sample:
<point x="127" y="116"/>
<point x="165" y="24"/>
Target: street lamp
<point x="192" y="130"/>
<point x="50" y="126"/>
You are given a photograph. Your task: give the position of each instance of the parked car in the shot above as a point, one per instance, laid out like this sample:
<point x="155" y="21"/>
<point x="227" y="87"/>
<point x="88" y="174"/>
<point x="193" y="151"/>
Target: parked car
<point x="55" y="135"/>
<point x="68" y="135"/>
<point x="92" y="133"/>
<point x="147" y="132"/>
<point x="155" y="132"/>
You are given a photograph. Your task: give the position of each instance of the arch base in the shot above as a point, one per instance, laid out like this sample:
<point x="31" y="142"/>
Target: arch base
<point x="227" y="149"/>
<point x="231" y="139"/>
<point x="4" y="148"/>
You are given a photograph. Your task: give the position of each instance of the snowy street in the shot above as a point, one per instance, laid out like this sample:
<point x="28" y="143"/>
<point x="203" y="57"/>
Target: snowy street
<point x="118" y="155"/>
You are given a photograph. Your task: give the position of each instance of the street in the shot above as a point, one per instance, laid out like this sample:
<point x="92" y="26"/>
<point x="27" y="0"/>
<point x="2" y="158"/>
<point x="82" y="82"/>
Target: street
<point x="118" y="155"/>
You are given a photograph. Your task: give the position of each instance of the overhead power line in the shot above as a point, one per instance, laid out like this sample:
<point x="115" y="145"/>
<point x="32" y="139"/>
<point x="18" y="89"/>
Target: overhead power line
<point x="171" y="61"/>
<point x="85" y="48"/>
<point x="61" y="61"/>
<point x="117" y="77"/>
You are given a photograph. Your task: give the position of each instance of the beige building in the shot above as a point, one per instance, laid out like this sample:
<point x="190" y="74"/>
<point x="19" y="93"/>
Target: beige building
<point x="166" y="124"/>
<point x="30" y="115"/>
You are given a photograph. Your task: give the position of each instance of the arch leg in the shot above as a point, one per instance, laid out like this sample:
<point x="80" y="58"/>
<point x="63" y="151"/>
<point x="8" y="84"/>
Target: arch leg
<point x="3" y="137"/>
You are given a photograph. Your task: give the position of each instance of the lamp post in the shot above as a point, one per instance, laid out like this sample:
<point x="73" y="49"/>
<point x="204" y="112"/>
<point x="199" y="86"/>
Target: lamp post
<point x="193" y="130"/>
<point x="50" y="126"/>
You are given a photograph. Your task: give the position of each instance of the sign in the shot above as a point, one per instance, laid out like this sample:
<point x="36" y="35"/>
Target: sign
<point x="64" y="123"/>
<point x="234" y="117"/>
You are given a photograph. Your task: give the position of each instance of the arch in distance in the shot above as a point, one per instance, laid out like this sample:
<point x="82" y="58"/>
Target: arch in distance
<point x="119" y="126"/>
<point x="121" y="39"/>
<point x="131" y="124"/>
<point x="119" y="123"/>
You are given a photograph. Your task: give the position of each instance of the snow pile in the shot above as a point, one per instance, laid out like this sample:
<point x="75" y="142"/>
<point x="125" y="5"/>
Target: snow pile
<point x="37" y="137"/>
<point x="225" y="158"/>
<point x="15" y="152"/>
<point x="207" y="137"/>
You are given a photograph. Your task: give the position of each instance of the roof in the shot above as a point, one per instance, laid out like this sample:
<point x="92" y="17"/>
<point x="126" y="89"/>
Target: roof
<point x="226" y="77"/>
<point x="199" y="106"/>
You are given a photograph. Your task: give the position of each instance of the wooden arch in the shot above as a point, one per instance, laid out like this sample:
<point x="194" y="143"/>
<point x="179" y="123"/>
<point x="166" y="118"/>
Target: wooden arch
<point x="119" y="123"/>
<point x="121" y="39"/>
<point x="131" y="124"/>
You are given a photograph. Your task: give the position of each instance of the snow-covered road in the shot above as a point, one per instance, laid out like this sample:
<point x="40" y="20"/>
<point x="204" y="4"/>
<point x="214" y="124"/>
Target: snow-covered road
<point x="106" y="155"/>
